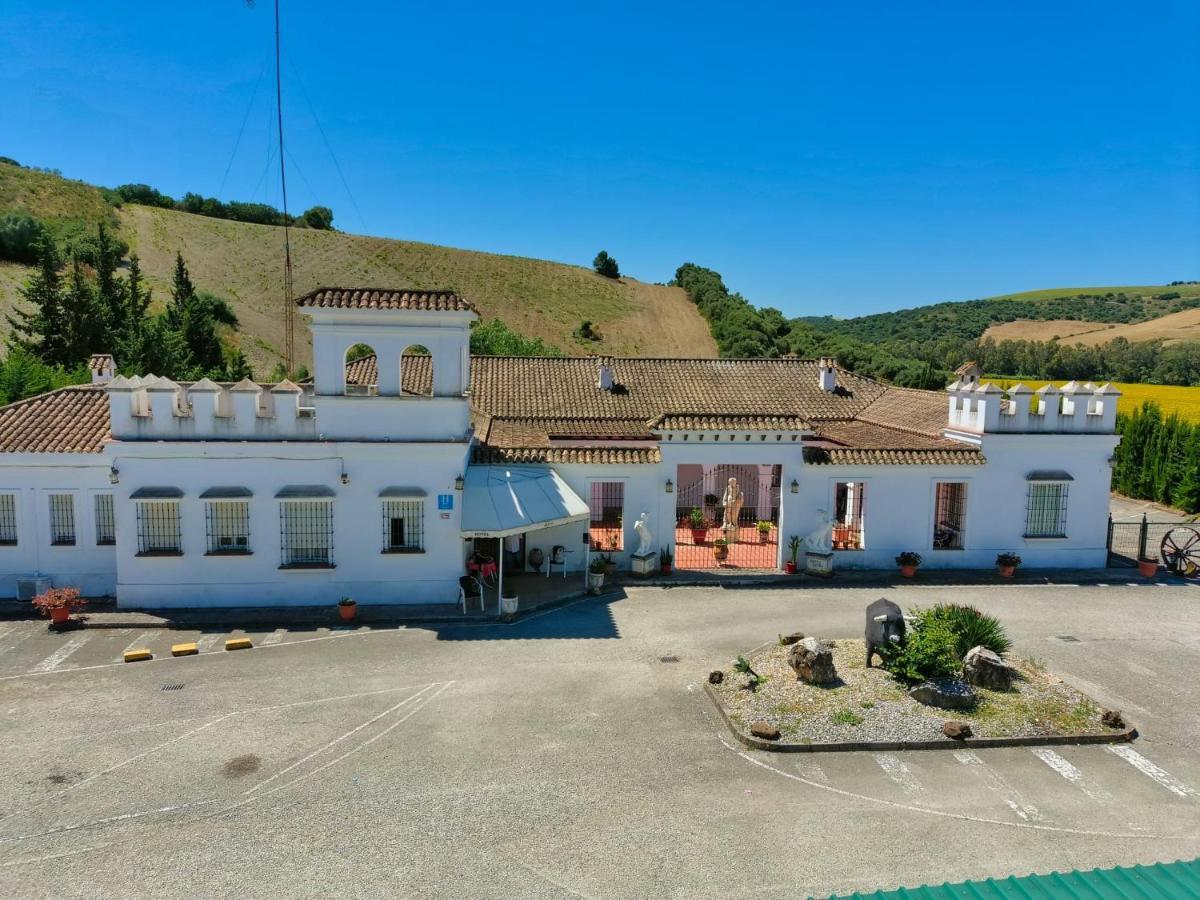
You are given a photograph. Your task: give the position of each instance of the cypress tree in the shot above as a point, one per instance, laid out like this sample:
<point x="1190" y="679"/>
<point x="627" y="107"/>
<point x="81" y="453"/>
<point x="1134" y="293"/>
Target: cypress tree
<point x="41" y="328"/>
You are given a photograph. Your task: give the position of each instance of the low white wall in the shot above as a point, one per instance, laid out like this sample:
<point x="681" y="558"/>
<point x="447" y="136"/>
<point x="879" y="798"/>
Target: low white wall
<point x="361" y="569"/>
<point x="32" y="479"/>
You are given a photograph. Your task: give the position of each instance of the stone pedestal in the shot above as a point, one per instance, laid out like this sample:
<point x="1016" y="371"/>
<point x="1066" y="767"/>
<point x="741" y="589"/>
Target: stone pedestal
<point x="819" y="564"/>
<point x="644" y="565"/>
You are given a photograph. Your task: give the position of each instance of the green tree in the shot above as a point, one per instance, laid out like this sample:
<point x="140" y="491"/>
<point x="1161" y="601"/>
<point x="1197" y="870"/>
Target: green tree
<point x="20" y="235"/>
<point x="40" y="327"/>
<point x="319" y="217"/>
<point x="606" y="265"/>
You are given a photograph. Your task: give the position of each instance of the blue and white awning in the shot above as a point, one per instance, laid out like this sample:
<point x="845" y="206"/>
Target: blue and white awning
<point x="503" y="500"/>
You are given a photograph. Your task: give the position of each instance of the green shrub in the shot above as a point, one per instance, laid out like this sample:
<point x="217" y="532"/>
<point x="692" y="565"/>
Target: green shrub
<point x="847" y="717"/>
<point x="971" y="628"/>
<point x="930" y="652"/>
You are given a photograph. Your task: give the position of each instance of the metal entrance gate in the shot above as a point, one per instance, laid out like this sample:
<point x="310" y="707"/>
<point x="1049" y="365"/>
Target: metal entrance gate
<point x="1129" y="540"/>
<point x="701" y="541"/>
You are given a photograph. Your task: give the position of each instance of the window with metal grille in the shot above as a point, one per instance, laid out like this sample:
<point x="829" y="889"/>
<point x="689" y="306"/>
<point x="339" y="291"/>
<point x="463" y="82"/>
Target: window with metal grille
<point x="106" y="526"/>
<point x="8" y="519"/>
<point x="62" y="519"/>
<point x="158" y="528"/>
<point x="606" y="502"/>
<point x="306" y="533"/>
<point x="227" y="526"/>
<point x="1046" y="509"/>
<point x="949" y="515"/>
<point x="848" y="506"/>
<point x="403" y="526"/>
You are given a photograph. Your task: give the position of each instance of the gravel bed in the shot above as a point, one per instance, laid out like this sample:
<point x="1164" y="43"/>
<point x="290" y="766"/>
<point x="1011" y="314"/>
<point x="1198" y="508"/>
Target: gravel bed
<point x="869" y="705"/>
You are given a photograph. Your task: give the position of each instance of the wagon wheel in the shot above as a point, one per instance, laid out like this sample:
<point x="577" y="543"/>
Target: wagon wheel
<point x="1180" y="551"/>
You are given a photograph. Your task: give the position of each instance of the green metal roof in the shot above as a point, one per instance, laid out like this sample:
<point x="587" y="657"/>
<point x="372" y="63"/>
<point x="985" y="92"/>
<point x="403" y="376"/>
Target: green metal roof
<point x="1161" y="881"/>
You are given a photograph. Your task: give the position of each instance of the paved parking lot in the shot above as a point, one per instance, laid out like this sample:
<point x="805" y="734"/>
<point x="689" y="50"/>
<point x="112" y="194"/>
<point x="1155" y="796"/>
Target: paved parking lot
<point x="573" y="754"/>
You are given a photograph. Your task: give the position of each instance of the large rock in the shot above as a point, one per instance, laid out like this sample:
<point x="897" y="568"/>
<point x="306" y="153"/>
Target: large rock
<point x="984" y="668"/>
<point x="1112" y="719"/>
<point x="765" y="730"/>
<point x="958" y="731"/>
<point x="788" y="639"/>
<point x="813" y="661"/>
<point x="944" y="694"/>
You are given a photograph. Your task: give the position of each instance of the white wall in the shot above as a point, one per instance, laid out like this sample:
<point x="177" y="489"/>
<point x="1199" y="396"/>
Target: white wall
<point x="31" y="478"/>
<point x="361" y="569"/>
<point x="898" y="507"/>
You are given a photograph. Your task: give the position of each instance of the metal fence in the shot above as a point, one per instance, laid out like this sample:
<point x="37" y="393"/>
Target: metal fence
<point x="1127" y="541"/>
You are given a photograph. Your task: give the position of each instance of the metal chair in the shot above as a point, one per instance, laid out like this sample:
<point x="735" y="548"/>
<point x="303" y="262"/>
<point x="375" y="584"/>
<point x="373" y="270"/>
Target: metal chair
<point x="558" y="557"/>
<point x="469" y="588"/>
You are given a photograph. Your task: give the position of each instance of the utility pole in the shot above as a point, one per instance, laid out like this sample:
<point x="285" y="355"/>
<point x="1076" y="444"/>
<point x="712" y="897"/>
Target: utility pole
<point x="289" y="313"/>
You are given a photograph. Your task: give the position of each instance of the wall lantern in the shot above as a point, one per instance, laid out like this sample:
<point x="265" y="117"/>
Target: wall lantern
<point x="113" y="475"/>
<point x="345" y="478"/>
<point x="795" y="486"/>
<point x="458" y="483"/>
<point x="670" y="486"/>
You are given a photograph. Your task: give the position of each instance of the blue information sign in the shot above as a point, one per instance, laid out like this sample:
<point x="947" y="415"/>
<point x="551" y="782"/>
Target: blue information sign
<point x="445" y="501"/>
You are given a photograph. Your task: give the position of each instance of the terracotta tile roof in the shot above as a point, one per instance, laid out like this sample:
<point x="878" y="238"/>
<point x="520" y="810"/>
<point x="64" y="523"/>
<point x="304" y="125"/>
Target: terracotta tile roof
<point x="384" y="298"/>
<point x="69" y="420"/>
<point x="906" y="409"/>
<point x="486" y="454"/>
<point x="688" y="422"/>
<point x="864" y="443"/>
<point x="98" y="362"/>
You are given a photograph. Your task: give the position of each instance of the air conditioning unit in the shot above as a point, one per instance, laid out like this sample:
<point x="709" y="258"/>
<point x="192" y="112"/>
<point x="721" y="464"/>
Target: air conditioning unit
<point x="30" y="586"/>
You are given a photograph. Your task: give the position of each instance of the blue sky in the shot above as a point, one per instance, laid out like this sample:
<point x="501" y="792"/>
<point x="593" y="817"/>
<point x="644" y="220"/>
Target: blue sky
<point x="835" y="158"/>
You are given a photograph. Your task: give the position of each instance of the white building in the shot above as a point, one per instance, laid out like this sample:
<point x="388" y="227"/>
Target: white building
<point x="381" y="478"/>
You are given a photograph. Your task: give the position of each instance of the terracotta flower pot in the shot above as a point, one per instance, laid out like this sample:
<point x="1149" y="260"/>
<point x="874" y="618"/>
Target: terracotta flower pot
<point x="59" y="615"/>
<point x="789" y="567"/>
<point x="1006" y="571"/>
<point x="666" y="568"/>
<point x="698" y="535"/>
<point x="908" y="571"/>
<point x="720" y="552"/>
<point x="1147" y="568"/>
<point x="347" y="611"/>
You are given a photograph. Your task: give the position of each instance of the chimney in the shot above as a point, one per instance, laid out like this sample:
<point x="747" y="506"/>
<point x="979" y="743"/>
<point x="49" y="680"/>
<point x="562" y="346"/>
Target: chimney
<point x="103" y="368"/>
<point x="605" y="379"/>
<point x="827" y="366"/>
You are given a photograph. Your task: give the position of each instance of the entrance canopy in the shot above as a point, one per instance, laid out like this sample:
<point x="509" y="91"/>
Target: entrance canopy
<point x="503" y="500"/>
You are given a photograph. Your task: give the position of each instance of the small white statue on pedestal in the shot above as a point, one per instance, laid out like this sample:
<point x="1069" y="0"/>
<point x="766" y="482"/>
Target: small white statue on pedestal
<point x="645" y="538"/>
<point x="820" y="540"/>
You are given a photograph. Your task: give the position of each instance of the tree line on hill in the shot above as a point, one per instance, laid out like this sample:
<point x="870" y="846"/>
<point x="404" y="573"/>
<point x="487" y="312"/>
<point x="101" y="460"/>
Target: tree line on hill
<point x="319" y="217"/>
<point x="922" y="347"/>
<point x="1158" y="458"/>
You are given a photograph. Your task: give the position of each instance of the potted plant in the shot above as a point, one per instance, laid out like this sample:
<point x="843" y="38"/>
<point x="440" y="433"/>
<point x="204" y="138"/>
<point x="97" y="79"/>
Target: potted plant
<point x="720" y="548"/>
<point x="908" y="562"/>
<point x="1147" y="567"/>
<point x="665" y="559"/>
<point x="58" y="604"/>
<point x="508" y="600"/>
<point x="347" y="608"/>
<point x="793" y="552"/>
<point x="610" y="565"/>
<point x="696" y="523"/>
<point x="764" y="531"/>
<point x="1006" y="564"/>
<point x="595" y="578"/>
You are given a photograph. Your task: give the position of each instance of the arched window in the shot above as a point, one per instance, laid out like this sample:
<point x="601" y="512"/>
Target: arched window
<point x="362" y="371"/>
<point x="416" y="371"/>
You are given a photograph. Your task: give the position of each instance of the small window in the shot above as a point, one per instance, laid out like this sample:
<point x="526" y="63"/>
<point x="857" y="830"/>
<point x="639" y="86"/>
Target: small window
<point x="606" y="502"/>
<point x="1046" y="509"/>
<point x="306" y="533"/>
<point x="848" y="515"/>
<point x="62" y="520"/>
<point x="949" y="515"/>
<point x="403" y="526"/>
<point x="106" y="527"/>
<point x="158" y="528"/>
<point x="227" y="526"/>
<point x="8" y="519"/>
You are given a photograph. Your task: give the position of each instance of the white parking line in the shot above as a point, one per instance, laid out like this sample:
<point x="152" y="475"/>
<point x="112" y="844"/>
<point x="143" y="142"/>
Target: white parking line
<point x="1072" y="774"/>
<point x="999" y="786"/>
<point x="273" y="638"/>
<point x="206" y="642"/>
<point x="1143" y="765"/>
<point x="897" y="770"/>
<point x="59" y="656"/>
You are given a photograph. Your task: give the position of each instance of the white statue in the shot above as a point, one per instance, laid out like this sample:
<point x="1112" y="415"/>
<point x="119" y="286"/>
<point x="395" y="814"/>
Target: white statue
<point x="645" y="538"/>
<point x="733" y="499"/>
<point x="820" y="540"/>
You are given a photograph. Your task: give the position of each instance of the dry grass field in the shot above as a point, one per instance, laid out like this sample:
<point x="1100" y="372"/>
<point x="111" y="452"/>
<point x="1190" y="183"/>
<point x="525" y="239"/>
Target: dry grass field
<point x="1179" y="326"/>
<point x="243" y="263"/>
<point x="1184" y="400"/>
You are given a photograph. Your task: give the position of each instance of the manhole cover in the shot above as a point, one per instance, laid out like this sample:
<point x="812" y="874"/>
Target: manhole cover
<point x="1069" y="638"/>
<point x="172" y="687"/>
<point x="668" y="659"/>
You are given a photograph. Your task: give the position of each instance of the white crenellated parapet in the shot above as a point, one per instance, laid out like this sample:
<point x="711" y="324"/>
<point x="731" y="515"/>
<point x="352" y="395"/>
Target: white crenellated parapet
<point x="1074" y="408"/>
<point x="152" y="408"/>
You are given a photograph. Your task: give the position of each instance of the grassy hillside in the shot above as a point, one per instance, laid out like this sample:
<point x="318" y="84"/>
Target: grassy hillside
<point x="1184" y="400"/>
<point x="242" y="262"/>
